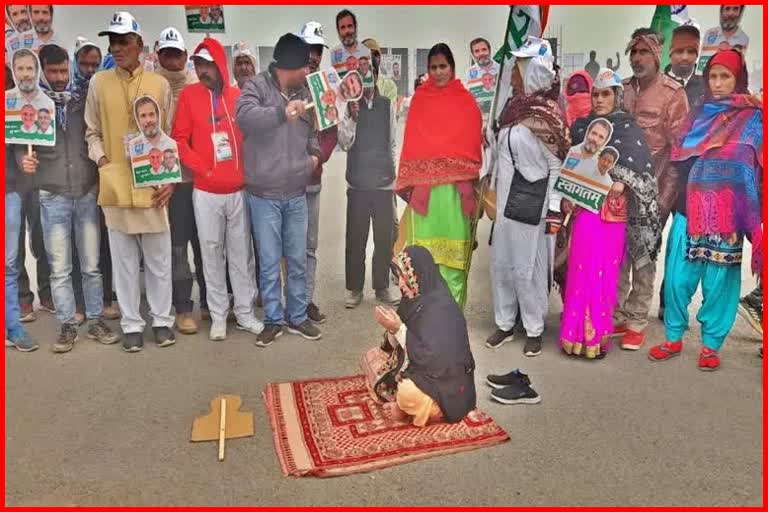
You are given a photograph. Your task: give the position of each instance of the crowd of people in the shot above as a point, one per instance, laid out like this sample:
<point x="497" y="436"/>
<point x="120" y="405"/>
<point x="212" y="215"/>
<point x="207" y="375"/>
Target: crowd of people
<point x="679" y="146"/>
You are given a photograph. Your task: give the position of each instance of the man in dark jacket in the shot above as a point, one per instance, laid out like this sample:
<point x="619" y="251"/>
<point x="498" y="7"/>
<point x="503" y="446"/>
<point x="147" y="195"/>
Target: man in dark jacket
<point x="68" y="184"/>
<point x="281" y="151"/>
<point x="683" y="54"/>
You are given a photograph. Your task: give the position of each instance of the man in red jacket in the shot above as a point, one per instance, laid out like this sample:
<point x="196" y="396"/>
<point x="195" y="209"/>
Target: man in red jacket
<point x="210" y="145"/>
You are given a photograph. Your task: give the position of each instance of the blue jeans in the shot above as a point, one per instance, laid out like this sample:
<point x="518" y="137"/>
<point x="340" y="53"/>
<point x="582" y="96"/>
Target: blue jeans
<point x="12" y="229"/>
<point x="59" y="215"/>
<point x="280" y="230"/>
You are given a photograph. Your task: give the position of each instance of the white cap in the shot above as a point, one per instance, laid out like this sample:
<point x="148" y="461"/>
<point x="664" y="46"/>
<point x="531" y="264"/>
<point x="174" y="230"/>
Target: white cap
<point x="312" y="33"/>
<point x="81" y="42"/>
<point x="171" y="38"/>
<point x="122" y="23"/>
<point x="241" y="48"/>
<point x="534" y="47"/>
<point x="607" y="78"/>
<point x="204" y="54"/>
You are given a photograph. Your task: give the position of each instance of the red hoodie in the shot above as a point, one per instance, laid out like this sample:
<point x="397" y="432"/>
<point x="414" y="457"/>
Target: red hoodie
<point x="192" y="129"/>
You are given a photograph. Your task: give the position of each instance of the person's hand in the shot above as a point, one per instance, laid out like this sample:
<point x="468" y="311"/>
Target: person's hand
<point x="387" y="318"/>
<point x="162" y="195"/>
<point x="566" y="206"/>
<point x="29" y="163"/>
<point x="354" y="109"/>
<point x="294" y="110"/>
<point x="553" y="222"/>
<point x="102" y="162"/>
<point x="616" y="189"/>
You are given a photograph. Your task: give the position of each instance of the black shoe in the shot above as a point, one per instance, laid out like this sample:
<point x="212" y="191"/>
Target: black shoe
<point x="498" y="338"/>
<point x="270" y="333"/>
<point x="133" y="342"/>
<point x="532" y="346"/>
<point x="66" y="340"/>
<point x="510" y="379"/>
<point x="516" y="394"/>
<point x="164" y="336"/>
<point x="306" y="330"/>
<point x="752" y="313"/>
<point x="314" y="314"/>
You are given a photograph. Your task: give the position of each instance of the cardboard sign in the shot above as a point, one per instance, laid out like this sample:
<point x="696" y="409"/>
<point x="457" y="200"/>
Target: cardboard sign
<point x="205" y="18"/>
<point x="345" y="62"/>
<point x="481" y="83"/>
<point x="388" y="64"/>
<point x="365" y="68"/>
<point x="330" y="94"/>
<point x="584" y="178"/>
<point x="154" y="155"/>
<point x="30" y="115"/>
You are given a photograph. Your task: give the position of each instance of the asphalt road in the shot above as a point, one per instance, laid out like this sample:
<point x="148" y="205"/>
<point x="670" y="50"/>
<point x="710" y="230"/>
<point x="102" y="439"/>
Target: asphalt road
<point x="98" y="426"/>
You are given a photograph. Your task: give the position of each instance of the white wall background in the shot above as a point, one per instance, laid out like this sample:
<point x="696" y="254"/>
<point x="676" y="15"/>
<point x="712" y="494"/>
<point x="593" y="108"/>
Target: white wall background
<point x="605" y="29"/>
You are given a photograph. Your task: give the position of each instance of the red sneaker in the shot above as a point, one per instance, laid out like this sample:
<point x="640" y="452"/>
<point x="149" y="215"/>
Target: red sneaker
<point x="709" y="361"/>
<point x="619" y="331"/>
<point x="667" y="350"/>
<point x="632" y="340"/>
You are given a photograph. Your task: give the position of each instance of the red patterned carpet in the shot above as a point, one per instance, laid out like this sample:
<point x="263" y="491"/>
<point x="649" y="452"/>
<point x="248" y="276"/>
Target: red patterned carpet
<point x="332" y="427"/>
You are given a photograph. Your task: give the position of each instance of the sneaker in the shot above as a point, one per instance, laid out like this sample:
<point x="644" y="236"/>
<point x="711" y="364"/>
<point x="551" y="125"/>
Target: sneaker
<point x="516" y="394"/>
<point x="499" y="337"/>
<point x="21" y="341"/>
<point x="752" y="313"/>
<point x="47" y="306"/>
<point x="515" y="377"/>
<point x="352" y="299"/>
<point x="270" y="333"/>
<point x="386" y="296"/>
<point x="532" y="346"/>
<point x="253" y="326"/>
<point x="133" y="342"/>
<point x="164" y="336"/>
<point x="709" y="361"/>
<point x="314" y="314"/>
<point x="79" y="318"/>
<point x="619" y="331"/>
<point x="218" y="331"/>
<point x="632" y="340"/>
<point x="306" y="330"/>
<point x="666" y="350"/>
<point x="101" y="332"/>
<point x="27" y="313"/>
<point x="111" y="312"/>
<point x="185" y="323"/>
<point x="66" y="340"/>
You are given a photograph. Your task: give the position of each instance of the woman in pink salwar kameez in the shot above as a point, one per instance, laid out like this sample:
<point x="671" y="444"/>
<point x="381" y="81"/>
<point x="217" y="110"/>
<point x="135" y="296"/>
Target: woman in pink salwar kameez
<point x="627" y="225"/>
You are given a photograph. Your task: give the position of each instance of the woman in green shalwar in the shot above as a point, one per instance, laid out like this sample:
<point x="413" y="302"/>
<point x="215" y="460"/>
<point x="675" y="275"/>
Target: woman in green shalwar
<point x="439" y="164"/>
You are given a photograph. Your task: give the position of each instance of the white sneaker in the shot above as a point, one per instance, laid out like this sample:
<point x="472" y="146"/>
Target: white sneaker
<point x="253" y="326"/>
<point x="218" y="331"/>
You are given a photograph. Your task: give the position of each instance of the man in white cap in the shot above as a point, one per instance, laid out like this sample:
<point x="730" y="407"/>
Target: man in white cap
<point x="172" y="61"/>
<point x="244" y="63"/>
<point x="312" y="34"/>
<point x="136" y="218"/>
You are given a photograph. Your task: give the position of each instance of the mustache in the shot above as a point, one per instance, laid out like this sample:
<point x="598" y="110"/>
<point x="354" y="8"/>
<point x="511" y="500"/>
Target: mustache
<point x="27" y="85"/>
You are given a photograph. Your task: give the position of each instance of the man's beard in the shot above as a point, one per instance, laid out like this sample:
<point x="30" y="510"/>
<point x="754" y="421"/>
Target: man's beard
<point x="683" y="71"/>
<point x="150" y="131"/>
<point x="484" y="61"/>
<point x="24" y="25"/>
<point x="590" y="147"/>
<point x="349" y="40"/>
<point x="27" y="86"/>
<point x="641" y="72"/>
<point x="729" y="24"/>
<point x="43" y="27"/>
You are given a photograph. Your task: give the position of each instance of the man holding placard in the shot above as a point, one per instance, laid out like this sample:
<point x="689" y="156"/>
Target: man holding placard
<point x="136" y="218"/>
<point x="68" y="188"/>
<point x="281" y="151"/>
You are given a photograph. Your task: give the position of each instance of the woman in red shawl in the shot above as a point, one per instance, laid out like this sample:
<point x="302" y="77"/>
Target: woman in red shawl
<point x="720" y="162"/>
<point x="578" y="99"/>
<point x="439" y="163"/>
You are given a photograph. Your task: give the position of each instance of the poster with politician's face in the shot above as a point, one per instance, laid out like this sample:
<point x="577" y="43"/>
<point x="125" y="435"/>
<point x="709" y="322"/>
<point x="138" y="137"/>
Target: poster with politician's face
<point x="205" y="18"/>
<point x="598" y="134"/>
<point x="330" y="94"/>
<point x="607" y="160"/>
<point x="29" y="113"/>
<point x="351" y="87"/>
<point x="153" y="154"/>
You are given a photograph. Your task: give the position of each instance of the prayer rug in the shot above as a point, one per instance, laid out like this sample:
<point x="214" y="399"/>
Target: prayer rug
<point x="332" y="427"/>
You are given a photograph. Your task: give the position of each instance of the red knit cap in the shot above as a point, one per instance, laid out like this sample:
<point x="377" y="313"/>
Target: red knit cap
<point x="731" y="59"/>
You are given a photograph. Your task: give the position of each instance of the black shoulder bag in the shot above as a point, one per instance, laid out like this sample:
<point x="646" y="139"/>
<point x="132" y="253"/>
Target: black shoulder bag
<point x="526" y="198"/>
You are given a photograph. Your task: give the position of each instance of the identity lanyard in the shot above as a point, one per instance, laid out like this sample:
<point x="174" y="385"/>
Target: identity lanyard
<point x="229" y="121"/>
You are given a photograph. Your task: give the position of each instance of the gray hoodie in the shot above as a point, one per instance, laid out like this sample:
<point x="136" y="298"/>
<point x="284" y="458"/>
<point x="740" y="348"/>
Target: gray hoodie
<point x="278" y="163"/>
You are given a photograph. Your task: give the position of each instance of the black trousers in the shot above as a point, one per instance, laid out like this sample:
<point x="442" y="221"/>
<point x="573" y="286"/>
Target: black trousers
<point x="364" y="206"/>
<point x="30" y="224"/>
<point x="181" y="215"/>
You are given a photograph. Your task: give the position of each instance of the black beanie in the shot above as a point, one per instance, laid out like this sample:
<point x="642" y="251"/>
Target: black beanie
<point x="291" y="52"/>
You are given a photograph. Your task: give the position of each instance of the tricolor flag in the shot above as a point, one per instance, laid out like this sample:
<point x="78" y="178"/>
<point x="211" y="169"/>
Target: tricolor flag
<point x="524" y="20"/>
<point x="667" y="18"/>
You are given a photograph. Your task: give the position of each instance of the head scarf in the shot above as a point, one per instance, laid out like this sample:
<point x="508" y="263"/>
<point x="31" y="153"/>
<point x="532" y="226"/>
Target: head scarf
<point x="725" y="137"/>
<point x="440" y="361"/>
<point x="578" y="98"/>
<point x="79" y="81"/>
<point x="442" y="144"/>
<point x="538" y="109"/>
<point x="653" y="44"/>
